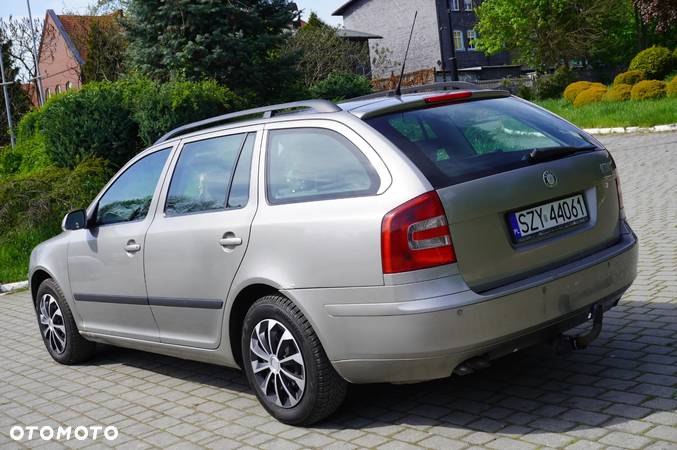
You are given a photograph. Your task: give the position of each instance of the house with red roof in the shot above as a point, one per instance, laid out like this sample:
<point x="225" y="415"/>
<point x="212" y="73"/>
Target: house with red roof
<point x="63" y="50"/>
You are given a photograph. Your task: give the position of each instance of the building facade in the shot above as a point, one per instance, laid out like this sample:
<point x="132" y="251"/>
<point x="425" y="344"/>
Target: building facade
<point x="431" y="44"/>
<point x="63" y="51"/>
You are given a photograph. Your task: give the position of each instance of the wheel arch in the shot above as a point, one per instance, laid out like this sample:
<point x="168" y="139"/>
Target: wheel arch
<point x="37" y="277"/>
<point x="241" y="304"/>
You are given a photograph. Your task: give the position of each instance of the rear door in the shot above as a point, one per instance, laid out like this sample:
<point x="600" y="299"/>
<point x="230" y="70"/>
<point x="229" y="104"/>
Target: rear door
<point x="523" y="190"/>
<point x="199" y="236"/>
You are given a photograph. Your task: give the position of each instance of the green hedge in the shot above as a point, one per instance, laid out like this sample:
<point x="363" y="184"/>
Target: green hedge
<point x="115" y="120"/>
<point x="93" y="121"/>
<point x="341" y="86"/>
<point x="656" y="62"/>
<point x="158" y="108"/>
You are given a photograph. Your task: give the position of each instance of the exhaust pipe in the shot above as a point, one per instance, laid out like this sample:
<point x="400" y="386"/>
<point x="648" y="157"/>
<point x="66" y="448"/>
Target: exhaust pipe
<point x="564" y="344"/>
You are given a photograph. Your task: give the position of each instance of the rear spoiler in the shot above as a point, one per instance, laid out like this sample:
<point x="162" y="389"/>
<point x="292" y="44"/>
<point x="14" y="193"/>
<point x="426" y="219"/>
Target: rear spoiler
<point x="397" y="104"/>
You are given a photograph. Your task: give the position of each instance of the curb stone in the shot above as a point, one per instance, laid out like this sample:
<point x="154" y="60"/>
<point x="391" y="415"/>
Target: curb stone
<point x="625" y="130"/>
<point x="13" y="287"/>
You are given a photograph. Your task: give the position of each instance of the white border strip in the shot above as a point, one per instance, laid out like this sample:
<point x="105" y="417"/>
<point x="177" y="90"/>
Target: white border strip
<point x="13" y="287"/>
<point x="625" y="130"/>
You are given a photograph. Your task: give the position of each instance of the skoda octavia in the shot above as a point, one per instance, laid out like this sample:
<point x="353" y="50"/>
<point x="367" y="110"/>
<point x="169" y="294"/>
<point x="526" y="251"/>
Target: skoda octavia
<point x="395" y="239"/>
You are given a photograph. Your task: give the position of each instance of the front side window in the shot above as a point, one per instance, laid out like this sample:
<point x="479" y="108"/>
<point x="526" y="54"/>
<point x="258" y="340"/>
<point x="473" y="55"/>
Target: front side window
<point x="458" y="40"/>
<point x="129" y="197"/>
<point x="204" y="172"/>
<point x="463" y="141"/>
<point x="308" y="164"/>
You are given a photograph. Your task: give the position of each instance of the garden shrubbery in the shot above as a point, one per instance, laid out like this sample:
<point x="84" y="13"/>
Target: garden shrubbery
<point x="574" y="89"/>
<point x="67" y="150"/>
<point x="591" y="95"/>
<point x="93" y="121"/>
<point x="618" y="93"/>
<point x="630" y="77"/>
<point x="656" y="62"/>
<point x="671" y="88"/>
<point x="340" y="86"/>
<point x="159" y="107"/>
<point x="648" y="89"/>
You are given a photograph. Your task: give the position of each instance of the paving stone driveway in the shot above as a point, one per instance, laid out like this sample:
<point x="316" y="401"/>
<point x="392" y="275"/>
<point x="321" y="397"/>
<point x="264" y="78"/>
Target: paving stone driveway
<point x="621" y="392"/>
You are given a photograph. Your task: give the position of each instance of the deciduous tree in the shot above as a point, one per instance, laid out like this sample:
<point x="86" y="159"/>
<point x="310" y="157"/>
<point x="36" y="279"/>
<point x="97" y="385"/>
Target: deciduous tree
<point x="321" y="52"/>
<point x="548" y="33"/>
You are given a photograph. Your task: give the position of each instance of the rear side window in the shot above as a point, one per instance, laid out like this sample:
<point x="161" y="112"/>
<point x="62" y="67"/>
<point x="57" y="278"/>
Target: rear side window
<point x="459" y="142"/>
<point x="308" y="164"/>
<point x="205" y="172"/>
<point x="129" y="197"/>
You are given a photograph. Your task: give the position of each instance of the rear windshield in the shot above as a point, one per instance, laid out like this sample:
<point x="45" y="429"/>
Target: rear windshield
<point x="459" y="142"/>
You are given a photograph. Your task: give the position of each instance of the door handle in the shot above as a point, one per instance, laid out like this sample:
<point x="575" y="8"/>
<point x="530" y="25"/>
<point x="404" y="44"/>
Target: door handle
<point x="132" y="247"/>
<point x="230" y="240"/>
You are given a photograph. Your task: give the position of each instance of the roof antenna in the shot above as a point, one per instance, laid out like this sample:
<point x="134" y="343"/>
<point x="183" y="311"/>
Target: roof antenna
<point x="398" y="89"/>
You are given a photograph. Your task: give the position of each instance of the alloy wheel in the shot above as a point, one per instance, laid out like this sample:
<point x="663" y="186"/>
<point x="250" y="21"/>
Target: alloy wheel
<point x="52" y="324"/>
<point x="277" y="363"/>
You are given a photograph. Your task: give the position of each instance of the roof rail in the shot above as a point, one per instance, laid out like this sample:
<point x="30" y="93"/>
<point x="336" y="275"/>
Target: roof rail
<point x="322" y="106"/>
<point x="442" y="86"/>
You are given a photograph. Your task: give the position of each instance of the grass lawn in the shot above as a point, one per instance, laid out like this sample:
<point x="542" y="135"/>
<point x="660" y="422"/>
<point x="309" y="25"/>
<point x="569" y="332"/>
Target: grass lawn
<point x="640" y="113"/>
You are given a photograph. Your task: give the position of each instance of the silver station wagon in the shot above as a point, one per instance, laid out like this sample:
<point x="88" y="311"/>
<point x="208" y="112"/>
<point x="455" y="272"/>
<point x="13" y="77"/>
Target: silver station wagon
<point x="395" y="238"/>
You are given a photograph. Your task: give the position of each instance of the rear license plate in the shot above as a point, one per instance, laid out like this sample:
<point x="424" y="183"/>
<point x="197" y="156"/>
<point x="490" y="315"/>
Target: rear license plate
<point x="547" y="218"/>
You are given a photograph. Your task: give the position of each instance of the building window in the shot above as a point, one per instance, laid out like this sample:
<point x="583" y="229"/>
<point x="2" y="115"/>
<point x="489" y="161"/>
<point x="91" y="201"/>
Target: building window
<point x="467" y="5"/>
<point x="458" y="40"/>
<point x="471" y="35"/>
<point x="57" y="90"/>
<point x="69" y="85"/>
<point x="455" y="5"/>
<point x="48" y="93"/>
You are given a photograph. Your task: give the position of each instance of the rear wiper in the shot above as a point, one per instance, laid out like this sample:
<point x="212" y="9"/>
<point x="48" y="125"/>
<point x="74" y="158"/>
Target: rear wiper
<point x="549" y="153"/>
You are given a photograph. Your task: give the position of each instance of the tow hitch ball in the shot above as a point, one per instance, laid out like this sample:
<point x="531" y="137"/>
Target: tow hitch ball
<point x="564" y="344"/>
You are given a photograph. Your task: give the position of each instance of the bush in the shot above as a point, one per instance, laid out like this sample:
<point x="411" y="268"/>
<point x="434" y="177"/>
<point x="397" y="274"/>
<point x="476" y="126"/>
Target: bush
<point x="160" y="107"/>
<point x="553" y="85"/>
<point x="93" y="121"/>
<point x="630" y="77"/>
<point x="648" y="89"/>
<point x="671" y="88"/>
<point x="654" y="61"/>
<point x="618" y="93"/>
<point x="572" y="90"/>
<point x="591" y="95"/>
<point x="42" y="198"/>
<point x="340" y="86"/>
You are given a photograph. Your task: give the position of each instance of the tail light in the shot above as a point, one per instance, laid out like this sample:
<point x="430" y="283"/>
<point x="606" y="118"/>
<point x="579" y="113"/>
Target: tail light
<point x="416" y="235"/>
<point x="621" y="207"/>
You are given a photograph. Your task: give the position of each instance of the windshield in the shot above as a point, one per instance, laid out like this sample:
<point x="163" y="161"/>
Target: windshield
<point x="459" y="142"/>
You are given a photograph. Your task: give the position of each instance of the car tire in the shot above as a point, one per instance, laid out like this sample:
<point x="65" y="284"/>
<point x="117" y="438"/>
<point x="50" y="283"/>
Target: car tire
<point x="57" y="327"/>
<point x="286" y="365"/>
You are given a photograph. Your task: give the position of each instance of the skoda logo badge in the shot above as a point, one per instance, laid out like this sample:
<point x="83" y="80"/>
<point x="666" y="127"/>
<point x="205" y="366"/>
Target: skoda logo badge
<point x="549" y="179"/>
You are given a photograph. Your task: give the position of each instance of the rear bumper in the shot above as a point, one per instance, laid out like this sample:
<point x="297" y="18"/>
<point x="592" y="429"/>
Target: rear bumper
<point x="422" y="331"/>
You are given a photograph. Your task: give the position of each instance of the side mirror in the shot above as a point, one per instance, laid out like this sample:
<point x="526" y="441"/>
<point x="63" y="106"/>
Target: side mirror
<point x="75" y="220"/>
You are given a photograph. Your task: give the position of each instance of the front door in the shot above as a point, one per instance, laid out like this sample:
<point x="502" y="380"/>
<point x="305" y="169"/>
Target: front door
<point x="199" y="236"/>
<point x="105" y="262"/>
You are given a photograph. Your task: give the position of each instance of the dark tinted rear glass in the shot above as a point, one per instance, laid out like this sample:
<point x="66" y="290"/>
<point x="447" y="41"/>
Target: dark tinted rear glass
<point x="459" y="142"/>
